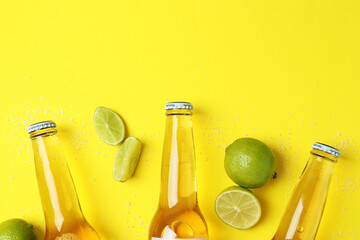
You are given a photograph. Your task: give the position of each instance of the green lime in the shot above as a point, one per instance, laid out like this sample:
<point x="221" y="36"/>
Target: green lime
<point x="16" y="229"/>
<point x="250" y="163"/>
<point x="109" y="126"/>
<point x="238" y="207"/>
<point x="126" y="159"/>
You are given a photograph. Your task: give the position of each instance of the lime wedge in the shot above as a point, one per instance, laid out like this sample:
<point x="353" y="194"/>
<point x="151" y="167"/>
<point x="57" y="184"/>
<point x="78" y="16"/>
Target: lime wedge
<point x="238" y="207"/>
<point x="126" y="159"/>
<point x="109" y="126"/>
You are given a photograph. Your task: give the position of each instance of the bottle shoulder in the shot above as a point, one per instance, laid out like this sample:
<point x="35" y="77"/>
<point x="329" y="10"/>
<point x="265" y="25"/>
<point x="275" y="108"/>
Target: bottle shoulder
<point x="77" y="231"/>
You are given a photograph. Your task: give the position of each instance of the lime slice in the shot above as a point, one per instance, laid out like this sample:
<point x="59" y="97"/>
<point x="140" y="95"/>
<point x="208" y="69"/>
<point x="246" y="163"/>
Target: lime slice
<point x="238" y="207"/>
<point x="109" y="126"/>
<point x="126" y="159"/>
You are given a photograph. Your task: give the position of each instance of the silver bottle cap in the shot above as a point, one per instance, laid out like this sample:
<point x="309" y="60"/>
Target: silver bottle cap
<point x="40" y="125"/>
<point x="178" y="105"/>
<point x="326" y="148"/>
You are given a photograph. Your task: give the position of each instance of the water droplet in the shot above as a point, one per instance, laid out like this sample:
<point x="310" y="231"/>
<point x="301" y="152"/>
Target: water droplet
<point x="300" y="228"/>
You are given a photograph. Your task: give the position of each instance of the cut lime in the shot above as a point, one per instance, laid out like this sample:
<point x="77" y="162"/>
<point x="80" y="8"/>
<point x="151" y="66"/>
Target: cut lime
<point x="126" y="159"/>
<point x="109" y="126"/>
<point x="238" y="207"/>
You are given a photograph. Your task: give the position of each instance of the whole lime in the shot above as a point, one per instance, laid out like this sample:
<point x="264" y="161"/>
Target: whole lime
<point x="16" y="229"/>
<point x="249" y="163"/>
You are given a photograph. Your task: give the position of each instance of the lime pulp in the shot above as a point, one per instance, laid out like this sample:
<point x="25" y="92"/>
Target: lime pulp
<point x="109" y="126"/>
<point x="238" y="207"/>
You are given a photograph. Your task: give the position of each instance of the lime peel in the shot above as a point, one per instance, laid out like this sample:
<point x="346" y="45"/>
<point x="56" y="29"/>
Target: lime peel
<point x="249" y="162"/>
<point x="17" y="229"/>
<point x="126" y="159"/>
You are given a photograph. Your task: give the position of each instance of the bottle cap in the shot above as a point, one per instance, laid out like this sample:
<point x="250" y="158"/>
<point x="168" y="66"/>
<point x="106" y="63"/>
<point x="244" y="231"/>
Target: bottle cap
<point x="326" y="148"/>
<point x="40" y="125"/>
<point x="178" y="105"/>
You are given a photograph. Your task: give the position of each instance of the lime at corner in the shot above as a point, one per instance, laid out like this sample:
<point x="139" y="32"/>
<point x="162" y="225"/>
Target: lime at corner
<point x="109" y="126"/>
<point x="238" y="207"/>
<point x="126" y="159"/>
<point x="17" y="229"/>
<point x="250" y="163"/>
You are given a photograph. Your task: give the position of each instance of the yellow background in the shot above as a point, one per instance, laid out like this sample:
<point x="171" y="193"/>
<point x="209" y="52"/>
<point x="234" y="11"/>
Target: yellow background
<point x="283" y="71"/>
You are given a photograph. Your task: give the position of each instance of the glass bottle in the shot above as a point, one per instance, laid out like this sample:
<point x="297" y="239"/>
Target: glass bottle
<point x="304" y="211"/>
<point x="178" y="215"/>
<point x="63" y="216"/>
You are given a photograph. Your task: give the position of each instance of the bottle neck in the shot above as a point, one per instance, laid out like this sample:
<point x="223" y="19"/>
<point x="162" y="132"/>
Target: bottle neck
<point x="320" y="166"/>
<point x="58" y="195"/>
<point x="178" y="178"/>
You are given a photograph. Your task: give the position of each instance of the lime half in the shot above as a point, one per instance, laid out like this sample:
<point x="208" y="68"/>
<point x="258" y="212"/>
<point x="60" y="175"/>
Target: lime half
<point x="238" y="207"/>
<point x="126" y="159"/>
<point x="109" y="126"/>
